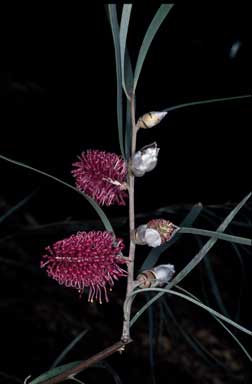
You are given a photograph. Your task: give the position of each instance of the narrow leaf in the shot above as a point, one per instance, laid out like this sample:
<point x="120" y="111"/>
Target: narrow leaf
<point x="196" y="302"/>
<point x="222" y="324"/>
<point x="216" y="235"/>
<point x="209" y="244"/>
<point x="127" y="131"/>
<point x="17" y="206"/>
<point x="53" y="372"/>
<point x="242" y="280"/>
<point x="129" y="85"/>
<point x="238" y="254"/>
<point x="123" y="37"/>
<point x="199" y="256"/>
<point x="99" y="211"/>
<point x="152" y="340"/>
<point x="108" y="367"/>
<point x="10" y="378"/>
<point x="213" y="283"/>
<point x="149" y="36"/>
<point x="207" y="101"/>
<point x="128" y="72"/>
<point x="119" y="103"/>
<point x="69" y="348"/>
<point x="192" y="341"/>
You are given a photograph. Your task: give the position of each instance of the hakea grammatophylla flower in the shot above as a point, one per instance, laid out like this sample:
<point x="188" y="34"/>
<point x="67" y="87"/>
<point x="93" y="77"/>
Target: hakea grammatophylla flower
<point x="87" y="259"/>
<point x="102" y="176"/>
<point x="155" y="232"/>
<point x="145" y="160"/>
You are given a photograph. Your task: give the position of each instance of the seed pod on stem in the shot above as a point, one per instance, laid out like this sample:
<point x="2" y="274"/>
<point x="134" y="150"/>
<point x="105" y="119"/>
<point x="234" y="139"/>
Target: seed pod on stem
<point x="145" y="160"/>
<point x="155" y="232"/>
<point x="156" y="277"/>
<point x="150" y="119"/>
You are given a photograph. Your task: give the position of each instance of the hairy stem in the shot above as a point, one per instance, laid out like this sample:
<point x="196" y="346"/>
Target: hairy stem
<point x="130" y="282"/>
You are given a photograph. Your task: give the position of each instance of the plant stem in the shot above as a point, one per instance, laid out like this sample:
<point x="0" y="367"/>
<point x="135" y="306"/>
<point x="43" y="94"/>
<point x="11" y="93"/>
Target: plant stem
<point x="130" y="281"/>
<point x="118" y="346"/>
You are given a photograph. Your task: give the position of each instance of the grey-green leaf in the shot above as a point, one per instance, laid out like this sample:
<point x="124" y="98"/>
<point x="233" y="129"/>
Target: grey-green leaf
<point x="159" y="17"/>
<point x="116" y="40"/>
<point x="191" y="340"/>
<point x="99" y="211"/>
<point x="129" y="85"/>
<point x="216" y="235"/>
<point x="69" y="348"/>
<point x="110" y="369"/>
<point x="192" y="264"/>
<point x="222" y="324"/>
<point x="207" y="101"/>
<point x="124" y="25"/>
<point x="209" y="244"/>
<point x="17" y="206"/>
<point x="196" y="302"/>
<point x="53" y="372"/>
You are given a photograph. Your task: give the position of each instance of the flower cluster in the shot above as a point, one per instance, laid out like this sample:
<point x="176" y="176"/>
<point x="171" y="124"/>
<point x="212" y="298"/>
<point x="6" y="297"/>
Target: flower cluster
<point x="91" y="259"/>
<point x="87" y="259"/>
<point x="102" y="176"/>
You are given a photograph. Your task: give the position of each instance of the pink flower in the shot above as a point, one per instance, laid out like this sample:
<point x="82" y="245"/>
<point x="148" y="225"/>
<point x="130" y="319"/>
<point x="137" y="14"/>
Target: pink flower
<point x="102" y="176"/>
<point x="87" y="259"/>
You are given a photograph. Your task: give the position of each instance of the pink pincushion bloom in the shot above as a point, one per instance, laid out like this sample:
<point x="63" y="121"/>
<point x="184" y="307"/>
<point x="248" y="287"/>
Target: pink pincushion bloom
<point x="87" y="259"/>
<point x="102" y="176"/>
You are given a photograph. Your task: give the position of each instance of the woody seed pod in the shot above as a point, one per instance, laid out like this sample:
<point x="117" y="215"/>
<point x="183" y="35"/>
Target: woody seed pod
<point x="145" y="160"/>
<point x="150" y="119"/>
<point x="156" y="277"/>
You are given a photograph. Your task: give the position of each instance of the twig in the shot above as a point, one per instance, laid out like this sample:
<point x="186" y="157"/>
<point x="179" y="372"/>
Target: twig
<point x="118" y="346"/>
<point x="130" y="282"/>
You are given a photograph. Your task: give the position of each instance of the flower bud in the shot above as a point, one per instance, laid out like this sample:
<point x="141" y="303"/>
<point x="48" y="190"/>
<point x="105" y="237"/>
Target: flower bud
<point x="145" y="160"/>
<point x="156" y="277"/>
<point x="150" y="119"/>
<point x="155" y="232"/>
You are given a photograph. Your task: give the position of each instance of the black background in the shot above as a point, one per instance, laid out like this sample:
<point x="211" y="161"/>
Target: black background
<point x="58" y="98"/>
<point x="58" y="94"/>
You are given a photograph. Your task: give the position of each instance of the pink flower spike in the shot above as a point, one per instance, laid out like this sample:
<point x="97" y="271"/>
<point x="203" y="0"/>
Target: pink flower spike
<point x="102" y="176"/>
<point x="87" y="259"/>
